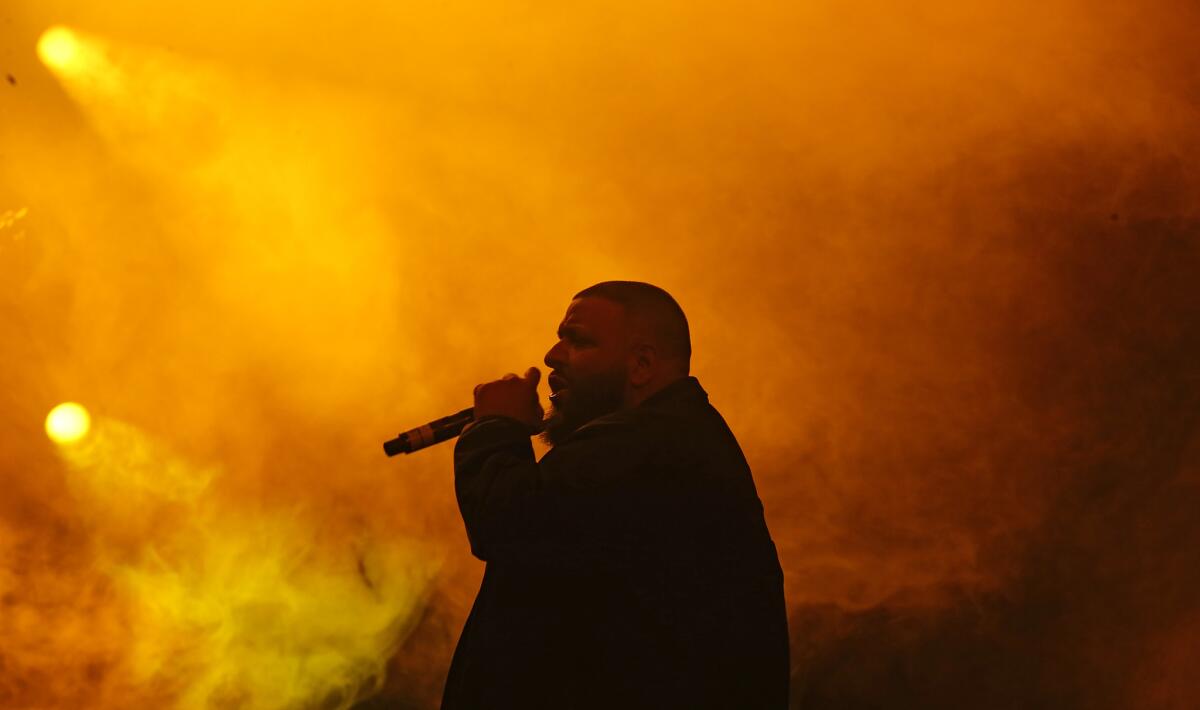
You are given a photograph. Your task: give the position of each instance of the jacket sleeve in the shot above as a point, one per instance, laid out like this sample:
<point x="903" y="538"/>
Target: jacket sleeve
<point x="548" y="512"/>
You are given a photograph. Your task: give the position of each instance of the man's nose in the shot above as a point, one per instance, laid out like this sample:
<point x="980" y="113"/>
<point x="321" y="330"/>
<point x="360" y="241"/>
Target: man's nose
<point x="553" y="358"/>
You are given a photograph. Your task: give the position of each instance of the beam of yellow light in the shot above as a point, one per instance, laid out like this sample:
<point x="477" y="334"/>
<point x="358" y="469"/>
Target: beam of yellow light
<point x="84" y="65"/>
<point x="68" y="423"/>
<point x="269" y="613"/>
<point x="125" y="473"/>
<point x="271" y="608"/>
<point x="145" y="101"/>
<point x="58" y="48"/>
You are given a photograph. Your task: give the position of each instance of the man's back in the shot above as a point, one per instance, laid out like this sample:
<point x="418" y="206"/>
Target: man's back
<point x="629" y="568"/>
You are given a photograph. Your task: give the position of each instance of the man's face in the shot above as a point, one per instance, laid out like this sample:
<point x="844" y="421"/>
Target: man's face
<point x="588" y="366"/>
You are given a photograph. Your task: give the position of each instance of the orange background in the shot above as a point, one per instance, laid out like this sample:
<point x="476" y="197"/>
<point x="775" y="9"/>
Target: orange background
<point x="940" y="261"/>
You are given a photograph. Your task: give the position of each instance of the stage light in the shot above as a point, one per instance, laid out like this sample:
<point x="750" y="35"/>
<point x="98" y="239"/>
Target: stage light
<point x="58" y="48"/>
<point x="68" y="423"/>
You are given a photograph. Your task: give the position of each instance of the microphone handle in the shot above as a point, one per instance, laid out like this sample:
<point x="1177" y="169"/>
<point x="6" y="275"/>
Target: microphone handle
<point x="432" y="433"/>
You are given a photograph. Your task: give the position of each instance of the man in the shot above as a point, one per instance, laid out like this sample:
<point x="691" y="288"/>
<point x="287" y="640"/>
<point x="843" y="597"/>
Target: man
<point x="631" y="566"/>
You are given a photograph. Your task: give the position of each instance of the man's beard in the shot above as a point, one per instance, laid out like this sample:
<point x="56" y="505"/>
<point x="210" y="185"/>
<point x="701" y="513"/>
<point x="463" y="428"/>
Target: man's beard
<point x="585" y="400"/>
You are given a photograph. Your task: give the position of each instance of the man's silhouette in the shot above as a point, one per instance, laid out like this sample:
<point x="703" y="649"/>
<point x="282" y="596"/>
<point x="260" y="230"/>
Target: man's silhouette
<point x="631" y="567"/>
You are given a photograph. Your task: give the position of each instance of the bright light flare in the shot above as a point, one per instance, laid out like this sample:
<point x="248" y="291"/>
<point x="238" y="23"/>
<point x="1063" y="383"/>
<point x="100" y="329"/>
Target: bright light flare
<point x="68" y="423"/>
<point x="58" y="48"/>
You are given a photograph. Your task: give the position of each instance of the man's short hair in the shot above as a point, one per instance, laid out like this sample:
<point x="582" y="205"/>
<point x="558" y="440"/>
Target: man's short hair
<point x="656" y="306"/>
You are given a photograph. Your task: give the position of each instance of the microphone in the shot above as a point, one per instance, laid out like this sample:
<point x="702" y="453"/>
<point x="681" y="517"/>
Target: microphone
<point x="432" y="433"/>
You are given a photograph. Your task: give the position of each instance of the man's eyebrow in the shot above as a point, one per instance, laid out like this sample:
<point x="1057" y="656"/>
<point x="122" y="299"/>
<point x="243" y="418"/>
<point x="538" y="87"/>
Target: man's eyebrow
<point x="571" y="330"/>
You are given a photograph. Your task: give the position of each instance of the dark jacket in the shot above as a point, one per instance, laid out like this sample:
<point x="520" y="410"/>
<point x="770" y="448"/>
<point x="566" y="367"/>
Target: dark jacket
<point x="630" y="568"/>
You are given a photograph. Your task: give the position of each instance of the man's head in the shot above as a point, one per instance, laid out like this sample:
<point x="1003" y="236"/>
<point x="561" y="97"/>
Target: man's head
<point x="619" y="343"/>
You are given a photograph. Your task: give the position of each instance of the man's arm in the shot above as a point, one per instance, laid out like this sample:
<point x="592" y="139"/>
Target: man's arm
<point x="553" y="511"/>
<point x="497" y="482"/>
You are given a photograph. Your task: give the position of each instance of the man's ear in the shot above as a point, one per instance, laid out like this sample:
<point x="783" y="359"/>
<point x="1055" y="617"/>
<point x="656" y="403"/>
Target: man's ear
<point x="643" y="364"/>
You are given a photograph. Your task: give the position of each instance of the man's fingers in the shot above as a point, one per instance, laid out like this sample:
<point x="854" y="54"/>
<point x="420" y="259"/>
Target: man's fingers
<point x="532" y="377"/>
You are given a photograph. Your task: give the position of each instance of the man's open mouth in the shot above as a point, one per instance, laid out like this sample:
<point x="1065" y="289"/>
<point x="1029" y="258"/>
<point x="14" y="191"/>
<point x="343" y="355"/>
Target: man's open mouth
<point x="558" y="387"/>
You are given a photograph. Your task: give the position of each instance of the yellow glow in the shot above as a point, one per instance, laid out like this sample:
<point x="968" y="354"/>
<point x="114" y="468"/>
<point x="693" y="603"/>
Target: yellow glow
<point x="270" y="614"/>
<point x="68" y="423"/>
<point x="58" y="47"/>
<point x="10" y="217"/>
<point x="272" y="608"/>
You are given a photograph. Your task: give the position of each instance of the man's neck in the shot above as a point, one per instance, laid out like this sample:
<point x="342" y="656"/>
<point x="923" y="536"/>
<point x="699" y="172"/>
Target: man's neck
<point x="635" y="396"/>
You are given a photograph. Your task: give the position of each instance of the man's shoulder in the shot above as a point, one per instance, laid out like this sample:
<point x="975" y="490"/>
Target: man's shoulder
<point x="681" y="403"/>
<point x="676" y="424"/>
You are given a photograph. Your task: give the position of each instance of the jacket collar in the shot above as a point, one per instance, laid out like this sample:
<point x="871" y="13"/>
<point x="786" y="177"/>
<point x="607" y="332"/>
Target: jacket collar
<point x="683" y="393"/>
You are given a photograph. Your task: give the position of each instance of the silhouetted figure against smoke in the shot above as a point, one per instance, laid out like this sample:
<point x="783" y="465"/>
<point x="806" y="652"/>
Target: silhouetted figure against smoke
<point x="631" y="567"/>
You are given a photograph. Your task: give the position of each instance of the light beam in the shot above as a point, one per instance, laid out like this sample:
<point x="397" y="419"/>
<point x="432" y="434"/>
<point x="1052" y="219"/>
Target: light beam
<point x="58" y="48"/>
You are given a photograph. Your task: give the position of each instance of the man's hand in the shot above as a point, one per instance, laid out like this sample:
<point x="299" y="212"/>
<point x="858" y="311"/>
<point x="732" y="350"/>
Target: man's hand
<point x="511" y="396"/>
